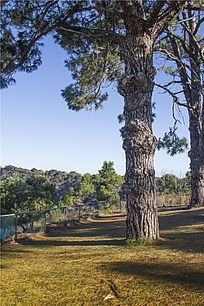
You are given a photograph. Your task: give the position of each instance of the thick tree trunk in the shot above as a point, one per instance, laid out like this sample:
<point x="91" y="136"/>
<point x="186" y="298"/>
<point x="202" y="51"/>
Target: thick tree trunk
<point x="139" y="142"/>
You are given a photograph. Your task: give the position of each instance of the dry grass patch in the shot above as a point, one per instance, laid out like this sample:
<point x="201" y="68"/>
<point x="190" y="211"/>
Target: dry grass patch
<point x="89" y="264"/>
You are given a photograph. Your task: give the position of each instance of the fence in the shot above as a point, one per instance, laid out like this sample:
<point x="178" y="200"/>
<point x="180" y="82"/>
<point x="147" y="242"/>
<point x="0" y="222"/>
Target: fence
<point x="7" y="226"/>
<point x="170" y="200"/>
<point x="25" y="224"/>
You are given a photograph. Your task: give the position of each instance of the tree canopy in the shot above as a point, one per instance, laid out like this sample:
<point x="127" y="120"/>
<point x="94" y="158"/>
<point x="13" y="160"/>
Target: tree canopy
<point x="106" y="41"/>
<point x="33" y="193"/>
<point x="89" y="30"/>
<point x="108" y="183"/>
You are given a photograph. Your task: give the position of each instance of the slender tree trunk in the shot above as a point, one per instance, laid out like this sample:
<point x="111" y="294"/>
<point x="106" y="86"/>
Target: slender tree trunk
<point x="139" y="142"/>
<point x="196" y="153"/>
<point x="201" y="164"/>
<point x="196" y="156"/>
<point x="193" y="95"/>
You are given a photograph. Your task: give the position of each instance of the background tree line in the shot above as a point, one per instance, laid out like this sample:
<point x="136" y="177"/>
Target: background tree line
<point x="25" y="190"/>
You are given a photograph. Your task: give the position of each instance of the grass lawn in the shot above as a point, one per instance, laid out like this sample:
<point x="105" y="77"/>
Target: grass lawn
<point x="89" y="264"/>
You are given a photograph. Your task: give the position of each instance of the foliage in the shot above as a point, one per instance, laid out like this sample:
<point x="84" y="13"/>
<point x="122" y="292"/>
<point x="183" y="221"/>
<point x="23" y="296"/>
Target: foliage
<point x="108" y="183"/>
<point x="172" y="143"/>
<point x="91" y="31"/>
<point x="103" y="186"/>
<point x="62" y="180"/>
<point x="34" y="193"/>
<point x="81" y="192"/>
<point x="68" y="198"/>
<point x="23" y="24"/>
<point x="169" y="183"/>
<point x="85" y="187"/>
<point x="187" y="182"/>
<point x="138" y="242"/>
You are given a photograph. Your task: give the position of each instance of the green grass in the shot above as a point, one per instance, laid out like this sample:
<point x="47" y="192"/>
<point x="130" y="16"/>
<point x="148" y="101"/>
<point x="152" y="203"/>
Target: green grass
<point x="91" y="265"/>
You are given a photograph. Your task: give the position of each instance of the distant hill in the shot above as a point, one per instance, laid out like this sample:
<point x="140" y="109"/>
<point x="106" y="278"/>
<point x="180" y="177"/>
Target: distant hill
<point x="62" y="180"/>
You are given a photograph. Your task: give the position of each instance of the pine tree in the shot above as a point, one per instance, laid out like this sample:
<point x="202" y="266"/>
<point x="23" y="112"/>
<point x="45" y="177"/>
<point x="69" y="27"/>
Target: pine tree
<point x="107" y="41"/>
<point x="182" y="46"/>
<point x="108" y="183"/>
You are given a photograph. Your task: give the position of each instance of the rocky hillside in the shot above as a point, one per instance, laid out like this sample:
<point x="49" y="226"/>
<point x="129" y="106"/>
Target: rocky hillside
<point x="62" y="180"/>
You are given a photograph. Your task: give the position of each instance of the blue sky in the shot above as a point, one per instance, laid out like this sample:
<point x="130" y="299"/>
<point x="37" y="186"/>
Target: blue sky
<point x="38" y="130"/>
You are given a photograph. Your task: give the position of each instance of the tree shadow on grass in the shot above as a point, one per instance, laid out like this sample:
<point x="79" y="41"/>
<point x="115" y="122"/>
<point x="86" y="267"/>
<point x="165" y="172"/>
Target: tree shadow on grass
<point x="101" y="231"/>
<point x="53" y="243"/>
<point x="181" y="218"/>
<point x="110" y="230"/>
<point x="12" y="254"/>
<point x="111" y="227"/>
<point x="172" y="208"/>
<point x="187" y="242"/>
<point x="161" y="272"/>
<point x="11" y="251"/>
<point x="186" y="231"/>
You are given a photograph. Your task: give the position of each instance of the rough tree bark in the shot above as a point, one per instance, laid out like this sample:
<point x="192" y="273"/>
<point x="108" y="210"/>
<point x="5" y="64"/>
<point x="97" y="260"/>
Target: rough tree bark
<point x="196" y="133"/>
<point x="192" y="89"/>
<point x="136" y="87"/>
<point x="201" y="150"/>
<point x="196" y="152"/>
<point x="139" y="142"/>
<point x="187" y="51"/>
<point x="195" y="121"/>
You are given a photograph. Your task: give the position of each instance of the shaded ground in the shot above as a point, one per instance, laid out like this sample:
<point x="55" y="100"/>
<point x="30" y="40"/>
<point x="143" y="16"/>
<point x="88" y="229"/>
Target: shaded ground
<point x="89" y="264"/>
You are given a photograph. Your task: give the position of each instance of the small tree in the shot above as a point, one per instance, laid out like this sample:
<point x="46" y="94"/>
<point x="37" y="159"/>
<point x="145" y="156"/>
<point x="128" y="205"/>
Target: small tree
<point x="34" y="193"/>
<point x="68" y="198"/>
<point x="12" y="194"/>
<point x="85" y="188"/>
<point x="108" y="183"/>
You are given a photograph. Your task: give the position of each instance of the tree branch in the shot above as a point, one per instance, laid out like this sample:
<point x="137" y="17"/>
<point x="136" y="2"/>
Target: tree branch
<point x="198" y="25"/>
<point x="183" y="43"/>
<point x="97" y="8"/>
<point x="193" y="38"/>
<point x="195" y="5"/>
<point x="96" y="17"/>
<point x="104" y="69"/>
<point x="155" y="13"/>
<point x="37" y="35"/>
<point x="172" y="94"/>
<point x="181" y="68"/>
<point x="172" y="56"/>
<point x="92" y="32"/>
<point x="173" y="9"/>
